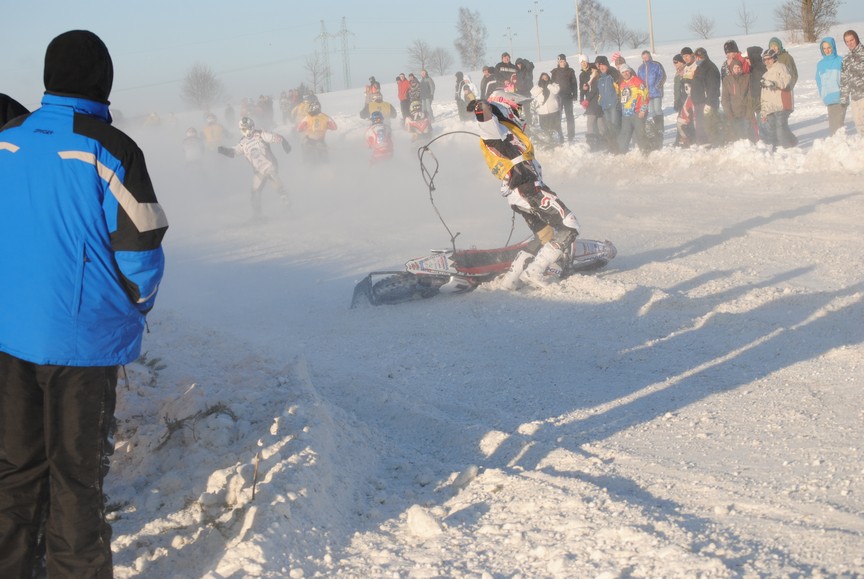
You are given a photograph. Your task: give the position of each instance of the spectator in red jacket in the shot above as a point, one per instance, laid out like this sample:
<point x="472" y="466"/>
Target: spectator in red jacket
<point x="402" y="87"/>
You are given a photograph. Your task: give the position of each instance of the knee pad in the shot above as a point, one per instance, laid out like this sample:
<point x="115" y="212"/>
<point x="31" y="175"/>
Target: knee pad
<point x="563" y="238"/>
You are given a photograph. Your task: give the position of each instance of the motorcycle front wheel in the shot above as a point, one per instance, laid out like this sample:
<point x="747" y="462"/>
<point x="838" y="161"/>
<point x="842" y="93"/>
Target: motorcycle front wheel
<point x="404" y="286"/>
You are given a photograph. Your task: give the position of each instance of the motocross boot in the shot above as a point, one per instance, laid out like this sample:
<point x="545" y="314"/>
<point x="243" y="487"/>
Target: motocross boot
<point x="535" y="273"/>
<point x="510" y="281"/>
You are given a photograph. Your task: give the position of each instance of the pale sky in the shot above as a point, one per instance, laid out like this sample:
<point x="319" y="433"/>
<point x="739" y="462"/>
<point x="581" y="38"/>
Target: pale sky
<point x="261" y="47"/>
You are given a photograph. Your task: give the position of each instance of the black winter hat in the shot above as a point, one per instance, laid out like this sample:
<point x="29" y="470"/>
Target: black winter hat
<point x="77" y="63"/>
<point x="678" y="58"/>
<point x="601" y="60"/>
<point x="730" y="46"/>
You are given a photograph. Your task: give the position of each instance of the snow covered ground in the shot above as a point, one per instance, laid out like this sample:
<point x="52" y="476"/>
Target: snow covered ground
<point x="692" y="410"/>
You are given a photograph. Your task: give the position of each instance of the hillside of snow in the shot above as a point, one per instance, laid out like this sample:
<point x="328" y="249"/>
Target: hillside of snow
<point x="692" y="410"/>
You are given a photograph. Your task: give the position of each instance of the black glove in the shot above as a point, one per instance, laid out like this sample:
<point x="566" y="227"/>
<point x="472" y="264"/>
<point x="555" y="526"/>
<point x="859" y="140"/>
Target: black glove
<point x="286" y="146"/>
<point x="225" y="151"/>
<point x="481" y="109"/>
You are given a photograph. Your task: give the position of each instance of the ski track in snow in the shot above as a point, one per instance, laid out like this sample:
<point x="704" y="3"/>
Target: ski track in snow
<point x="692" y="410"/>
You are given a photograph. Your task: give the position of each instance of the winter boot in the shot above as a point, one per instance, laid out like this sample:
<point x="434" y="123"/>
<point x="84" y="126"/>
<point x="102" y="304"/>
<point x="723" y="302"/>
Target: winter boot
<point x="510" y="281"/>
<point x="535" y="273"/>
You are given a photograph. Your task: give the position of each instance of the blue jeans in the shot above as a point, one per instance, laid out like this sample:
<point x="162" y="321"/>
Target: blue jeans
<point x="612" y="122"/>
<point x="631" y="126"/>
<point x="427" y="108"/>
<point x="775" y="130"/>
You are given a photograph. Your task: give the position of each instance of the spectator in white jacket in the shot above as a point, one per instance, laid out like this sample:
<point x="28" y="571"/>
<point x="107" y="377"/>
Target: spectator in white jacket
<point x="547" y="104"/>
<point x="775" y="105"/>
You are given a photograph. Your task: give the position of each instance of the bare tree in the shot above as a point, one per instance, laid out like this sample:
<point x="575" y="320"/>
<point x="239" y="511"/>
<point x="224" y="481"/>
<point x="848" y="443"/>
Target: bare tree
<point x="471" y="43"/>
<point x="419" y="55"/>
<point x="787" y="19"/>
<point x="638" y="38"/>
<point x="440" y="61"/>
<point x="200" y="87"/>
<point x="746" y="19"/>
<point x="318" y="71"/>
<point x="594" y="19"/>
<point x="617" y="32"/>
<point x="702" y="25"/>
<point x="807" y="19"/>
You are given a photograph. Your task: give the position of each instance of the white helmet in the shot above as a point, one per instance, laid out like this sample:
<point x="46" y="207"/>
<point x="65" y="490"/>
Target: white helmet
<point x="247" y="125"/>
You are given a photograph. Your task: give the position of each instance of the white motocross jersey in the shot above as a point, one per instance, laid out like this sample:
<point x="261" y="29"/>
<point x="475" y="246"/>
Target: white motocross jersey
<point x="256" y="150"/>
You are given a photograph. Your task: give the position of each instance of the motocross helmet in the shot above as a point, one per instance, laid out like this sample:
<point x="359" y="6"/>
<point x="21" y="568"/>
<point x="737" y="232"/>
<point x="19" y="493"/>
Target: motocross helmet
<point x="191" y="133"/>
<point x="314" y="108"/>
<point x="377" y="118"/>
<point x="416" y="107"/>
<point x="247" y="125"/>
<point x="211" y="119"/>
<point x="509" y="105"/>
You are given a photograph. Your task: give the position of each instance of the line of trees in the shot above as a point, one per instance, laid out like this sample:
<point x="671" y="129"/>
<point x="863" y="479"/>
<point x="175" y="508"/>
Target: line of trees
<point x="804" y="20"/>
<point x="421" y="56"/>
<point x="603" y="29"/>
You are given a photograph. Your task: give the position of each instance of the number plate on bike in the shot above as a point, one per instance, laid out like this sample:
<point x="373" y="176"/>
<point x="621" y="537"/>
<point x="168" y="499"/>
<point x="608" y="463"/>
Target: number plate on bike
<point x="432" y="264"/>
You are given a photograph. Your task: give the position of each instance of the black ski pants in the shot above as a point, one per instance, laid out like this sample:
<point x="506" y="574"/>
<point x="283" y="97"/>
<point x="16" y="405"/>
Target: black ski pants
<point x="56" y="425"/>
<point x="567" y="110"/>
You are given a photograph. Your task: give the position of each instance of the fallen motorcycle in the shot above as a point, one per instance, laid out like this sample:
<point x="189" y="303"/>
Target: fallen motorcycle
<point x="461" y="271"/>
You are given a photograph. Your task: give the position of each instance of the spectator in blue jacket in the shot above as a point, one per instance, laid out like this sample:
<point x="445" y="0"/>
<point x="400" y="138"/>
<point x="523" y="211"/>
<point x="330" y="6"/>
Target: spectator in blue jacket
<point x="653" y="75"/>
<point x="828" y="82"/>
<point x="80" y="249"/>
<point x="609" y="98"/>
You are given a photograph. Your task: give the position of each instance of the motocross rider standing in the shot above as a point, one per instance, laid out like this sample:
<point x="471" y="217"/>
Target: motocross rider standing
<point x="255" y="146"/>
<point x="314" y="127"/>
<point x="509" y="154"/>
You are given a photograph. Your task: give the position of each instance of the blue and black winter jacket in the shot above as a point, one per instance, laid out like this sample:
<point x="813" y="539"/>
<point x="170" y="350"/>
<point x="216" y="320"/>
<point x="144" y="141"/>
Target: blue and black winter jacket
<point x="80" y="236"/>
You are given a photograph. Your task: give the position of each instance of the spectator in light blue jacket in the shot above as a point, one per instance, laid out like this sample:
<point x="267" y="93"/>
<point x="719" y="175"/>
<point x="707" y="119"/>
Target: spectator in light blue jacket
<point x="653" y="75"/>
<point x="828" y="83"/>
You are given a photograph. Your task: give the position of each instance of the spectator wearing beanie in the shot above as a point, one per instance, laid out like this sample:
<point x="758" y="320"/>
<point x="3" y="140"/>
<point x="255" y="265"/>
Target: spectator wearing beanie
<point x="730" y="48"/>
